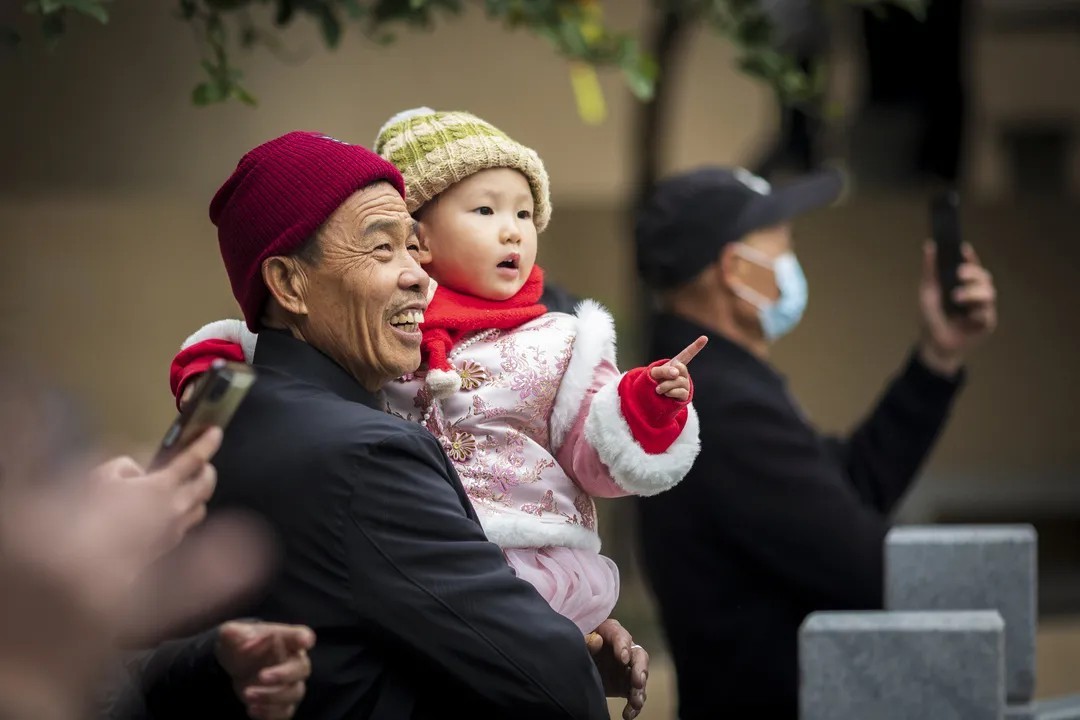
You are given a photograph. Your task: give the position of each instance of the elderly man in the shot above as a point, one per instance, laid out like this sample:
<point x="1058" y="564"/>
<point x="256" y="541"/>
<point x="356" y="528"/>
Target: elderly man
<point x="416" y="613"/>
<point x="774" y="521"/>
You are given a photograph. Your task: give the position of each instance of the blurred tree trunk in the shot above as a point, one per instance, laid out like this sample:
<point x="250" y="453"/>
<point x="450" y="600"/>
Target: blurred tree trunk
<point x="665" y="39"/>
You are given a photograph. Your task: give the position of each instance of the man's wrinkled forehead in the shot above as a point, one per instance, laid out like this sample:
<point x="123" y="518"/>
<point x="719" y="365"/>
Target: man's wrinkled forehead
<point x="376" y="208"/>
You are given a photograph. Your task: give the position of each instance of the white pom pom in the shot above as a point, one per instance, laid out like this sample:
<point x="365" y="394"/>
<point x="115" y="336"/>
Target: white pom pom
<point x="442" y="383"/>
<point x="234" y="331"/>
<point x="402" y="117"/>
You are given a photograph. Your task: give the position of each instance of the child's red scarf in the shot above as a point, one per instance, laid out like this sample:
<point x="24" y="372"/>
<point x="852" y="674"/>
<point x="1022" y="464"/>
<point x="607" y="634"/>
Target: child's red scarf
<point x="451" y="315"/>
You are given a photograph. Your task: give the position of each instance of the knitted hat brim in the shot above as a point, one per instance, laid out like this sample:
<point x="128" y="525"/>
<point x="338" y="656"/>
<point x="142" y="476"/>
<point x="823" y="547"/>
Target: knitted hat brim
<point x="443" y="165"/>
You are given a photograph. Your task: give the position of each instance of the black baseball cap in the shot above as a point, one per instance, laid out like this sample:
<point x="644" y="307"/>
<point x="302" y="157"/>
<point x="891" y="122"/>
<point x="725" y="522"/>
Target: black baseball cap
<point x="689" y="217"/>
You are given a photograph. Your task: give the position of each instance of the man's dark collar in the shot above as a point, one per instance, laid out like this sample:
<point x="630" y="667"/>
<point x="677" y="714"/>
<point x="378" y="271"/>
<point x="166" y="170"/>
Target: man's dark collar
<point x="279" y="350"/>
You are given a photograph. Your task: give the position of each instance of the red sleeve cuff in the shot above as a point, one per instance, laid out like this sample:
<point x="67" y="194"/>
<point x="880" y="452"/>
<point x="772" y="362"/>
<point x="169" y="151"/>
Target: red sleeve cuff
<point x="196" y="359"/>
<point x="654" y="420"/>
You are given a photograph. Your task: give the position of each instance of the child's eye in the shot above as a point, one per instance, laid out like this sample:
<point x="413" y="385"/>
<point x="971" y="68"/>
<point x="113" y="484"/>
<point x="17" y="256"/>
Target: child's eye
<point x="524" y="214"/>
<point x="484" y="210"/>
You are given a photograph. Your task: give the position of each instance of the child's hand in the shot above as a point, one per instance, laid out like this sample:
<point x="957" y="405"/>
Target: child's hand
<point x="672" y="377"/>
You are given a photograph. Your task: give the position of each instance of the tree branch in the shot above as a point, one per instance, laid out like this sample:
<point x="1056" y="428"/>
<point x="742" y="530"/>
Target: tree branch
<point x="669" y="26"/>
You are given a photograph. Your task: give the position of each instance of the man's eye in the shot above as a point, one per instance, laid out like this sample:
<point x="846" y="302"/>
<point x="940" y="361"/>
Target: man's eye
<point x="413" y="248"/>
<point x="484" y="210"/>
<point x="385" y="247"/>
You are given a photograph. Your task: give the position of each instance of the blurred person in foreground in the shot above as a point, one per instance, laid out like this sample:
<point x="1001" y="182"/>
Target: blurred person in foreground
<point x="775" y="520"/>
<point x="383" y="553"/>
<point x="77" y="544"/>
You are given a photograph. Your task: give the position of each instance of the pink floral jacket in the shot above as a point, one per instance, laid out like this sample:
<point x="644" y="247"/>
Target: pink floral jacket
<point x="537" y="429"/>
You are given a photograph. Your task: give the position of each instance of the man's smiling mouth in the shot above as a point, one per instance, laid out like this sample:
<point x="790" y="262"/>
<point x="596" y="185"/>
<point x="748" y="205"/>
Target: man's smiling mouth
<point x="408" y="320"/>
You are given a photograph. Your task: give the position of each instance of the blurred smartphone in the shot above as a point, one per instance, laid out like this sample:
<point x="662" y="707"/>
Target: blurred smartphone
<point x="218" y="395"/>
<point x="945" y="226"/>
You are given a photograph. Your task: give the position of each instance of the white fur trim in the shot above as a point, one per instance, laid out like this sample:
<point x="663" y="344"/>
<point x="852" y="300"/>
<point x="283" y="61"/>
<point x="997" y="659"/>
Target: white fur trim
<point x="635" y="470"/>
<point x="518" y="530"/>
<point x="229" y="330"/>
<point x="443" y="383"/>
<point x="402" y="117"/>
<point x="594" y="341"/>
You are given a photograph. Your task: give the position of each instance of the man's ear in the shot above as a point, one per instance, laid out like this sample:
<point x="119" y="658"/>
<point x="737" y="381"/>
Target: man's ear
<point x="729" y="267"/>
<point x="287" y="283"/>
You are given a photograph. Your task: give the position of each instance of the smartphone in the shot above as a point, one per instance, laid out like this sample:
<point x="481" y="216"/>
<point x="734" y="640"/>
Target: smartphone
<point x="219" y="393"/>
<point x="945" y="226"/>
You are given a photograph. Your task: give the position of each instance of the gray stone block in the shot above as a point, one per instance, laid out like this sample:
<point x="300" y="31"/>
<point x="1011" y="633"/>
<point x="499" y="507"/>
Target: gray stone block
<point x="972" y="567"/>
<point x="902" y="666"/>
<point x="1066" y="707"/>
<point x="1025" y="711"/>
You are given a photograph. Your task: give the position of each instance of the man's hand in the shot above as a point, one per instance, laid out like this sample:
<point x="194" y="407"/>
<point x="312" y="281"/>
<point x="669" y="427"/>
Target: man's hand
<point x="948" y="340"/>
<point x="623" y="666"/>
<point x="268" y="664"/>
<point x="673" y="377"/>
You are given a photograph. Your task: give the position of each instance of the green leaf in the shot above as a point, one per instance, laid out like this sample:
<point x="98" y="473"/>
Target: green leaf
<point x="51" y="6"/>
<point x="187" y="9"/>
<point x="354" y="9"/>
<point x="573" y="42"/>
<point x="243" y="96"/>
<point x="206" y="93"/>
<point x="215" y="31"/>
<point x="640" y="85"/>
<point x="91" y="8"/>
<point x="331" y="28"/>
<point x="417" y="4"/>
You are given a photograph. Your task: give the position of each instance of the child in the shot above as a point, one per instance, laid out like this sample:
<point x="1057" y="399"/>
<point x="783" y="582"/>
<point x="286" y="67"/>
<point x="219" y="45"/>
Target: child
<point x="528" y="404"/>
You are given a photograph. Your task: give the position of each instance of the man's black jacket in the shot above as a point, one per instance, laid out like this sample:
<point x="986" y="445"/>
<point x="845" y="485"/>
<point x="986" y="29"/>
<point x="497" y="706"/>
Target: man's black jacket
<point x="773" y="522"/>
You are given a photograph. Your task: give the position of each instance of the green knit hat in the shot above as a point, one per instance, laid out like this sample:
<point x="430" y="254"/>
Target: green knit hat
<point x="433" y="150"/>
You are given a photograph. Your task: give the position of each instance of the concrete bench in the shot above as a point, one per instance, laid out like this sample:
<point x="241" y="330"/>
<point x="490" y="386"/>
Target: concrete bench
<point x="902" y="666"/>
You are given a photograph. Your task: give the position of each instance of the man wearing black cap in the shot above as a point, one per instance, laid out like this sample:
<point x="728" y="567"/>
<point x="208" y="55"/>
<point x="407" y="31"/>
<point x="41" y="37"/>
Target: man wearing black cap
<point x="774" y="521"/>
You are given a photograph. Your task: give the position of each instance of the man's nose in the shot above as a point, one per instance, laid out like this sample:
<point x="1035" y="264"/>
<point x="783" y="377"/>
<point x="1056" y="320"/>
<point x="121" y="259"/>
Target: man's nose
<point x="414" y="278"/>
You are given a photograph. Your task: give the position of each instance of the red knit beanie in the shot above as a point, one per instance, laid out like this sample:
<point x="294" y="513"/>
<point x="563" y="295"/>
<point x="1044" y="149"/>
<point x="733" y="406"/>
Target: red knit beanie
<point x="278" y="196"/>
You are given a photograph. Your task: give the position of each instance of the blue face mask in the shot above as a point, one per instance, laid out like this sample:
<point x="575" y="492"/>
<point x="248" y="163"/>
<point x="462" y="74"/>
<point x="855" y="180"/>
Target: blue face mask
<point x="777" y="317"/>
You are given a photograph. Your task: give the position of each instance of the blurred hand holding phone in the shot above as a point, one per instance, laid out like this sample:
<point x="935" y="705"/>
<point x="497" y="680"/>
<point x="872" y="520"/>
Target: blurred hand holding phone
<point x="215" y="400"/>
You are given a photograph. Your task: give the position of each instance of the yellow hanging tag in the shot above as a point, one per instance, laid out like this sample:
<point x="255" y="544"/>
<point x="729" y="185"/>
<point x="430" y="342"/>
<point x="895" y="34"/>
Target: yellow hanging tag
<point x="587" y="93"/>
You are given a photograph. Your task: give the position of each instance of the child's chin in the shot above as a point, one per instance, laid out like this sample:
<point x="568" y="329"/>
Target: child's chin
<point x="495" y="289"/>
<point x="501" y="291"/>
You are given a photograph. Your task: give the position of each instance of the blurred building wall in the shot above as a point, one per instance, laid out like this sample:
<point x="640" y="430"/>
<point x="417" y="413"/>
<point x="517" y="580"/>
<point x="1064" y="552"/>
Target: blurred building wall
<point x="112" y="261"/>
